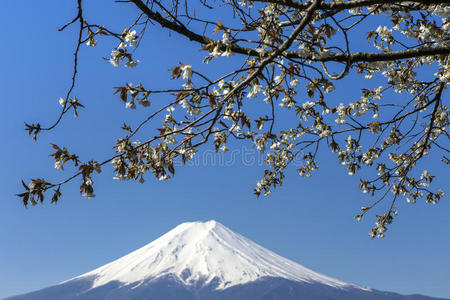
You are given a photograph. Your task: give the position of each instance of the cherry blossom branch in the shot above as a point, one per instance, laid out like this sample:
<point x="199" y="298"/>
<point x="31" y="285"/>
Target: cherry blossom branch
<point x="355" y="57"/>
<point x="75" y="64"/>
<point x="350" y="4"/>
<point x="376" y="57"/>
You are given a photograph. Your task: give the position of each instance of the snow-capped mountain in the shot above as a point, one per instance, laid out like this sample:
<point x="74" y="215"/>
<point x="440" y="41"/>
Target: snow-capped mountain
<point x="206" y="261"/>
<point x="204" y="251"/>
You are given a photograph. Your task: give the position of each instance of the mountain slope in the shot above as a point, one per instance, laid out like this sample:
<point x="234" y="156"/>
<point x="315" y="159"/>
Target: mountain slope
<point x="206" y="261"/>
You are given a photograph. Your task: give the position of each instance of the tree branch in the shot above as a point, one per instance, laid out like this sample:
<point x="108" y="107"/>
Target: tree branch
<point x="341" y="57"/>
<point x="350" y="4"/>
<point x="374" y="57"/>
<point x="183" y="30"/>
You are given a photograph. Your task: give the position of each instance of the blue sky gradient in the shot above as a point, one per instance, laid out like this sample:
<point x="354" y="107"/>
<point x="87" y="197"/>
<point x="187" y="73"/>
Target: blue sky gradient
<point x="308" y="220"/>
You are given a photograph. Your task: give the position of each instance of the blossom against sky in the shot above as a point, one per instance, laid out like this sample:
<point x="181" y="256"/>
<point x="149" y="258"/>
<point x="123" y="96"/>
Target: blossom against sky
<point x="309" y="220"/>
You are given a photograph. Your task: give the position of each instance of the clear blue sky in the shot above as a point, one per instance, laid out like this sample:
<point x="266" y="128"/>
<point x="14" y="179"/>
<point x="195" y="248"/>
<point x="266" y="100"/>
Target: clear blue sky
<point x="308" y="220"/>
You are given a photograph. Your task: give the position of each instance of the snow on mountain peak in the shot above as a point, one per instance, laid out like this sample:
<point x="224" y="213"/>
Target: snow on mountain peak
<point x="202" y="252"/>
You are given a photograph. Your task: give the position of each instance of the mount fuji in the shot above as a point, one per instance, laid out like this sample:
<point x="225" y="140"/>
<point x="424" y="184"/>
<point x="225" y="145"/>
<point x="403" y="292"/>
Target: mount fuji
<point x="206" y="261"/>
